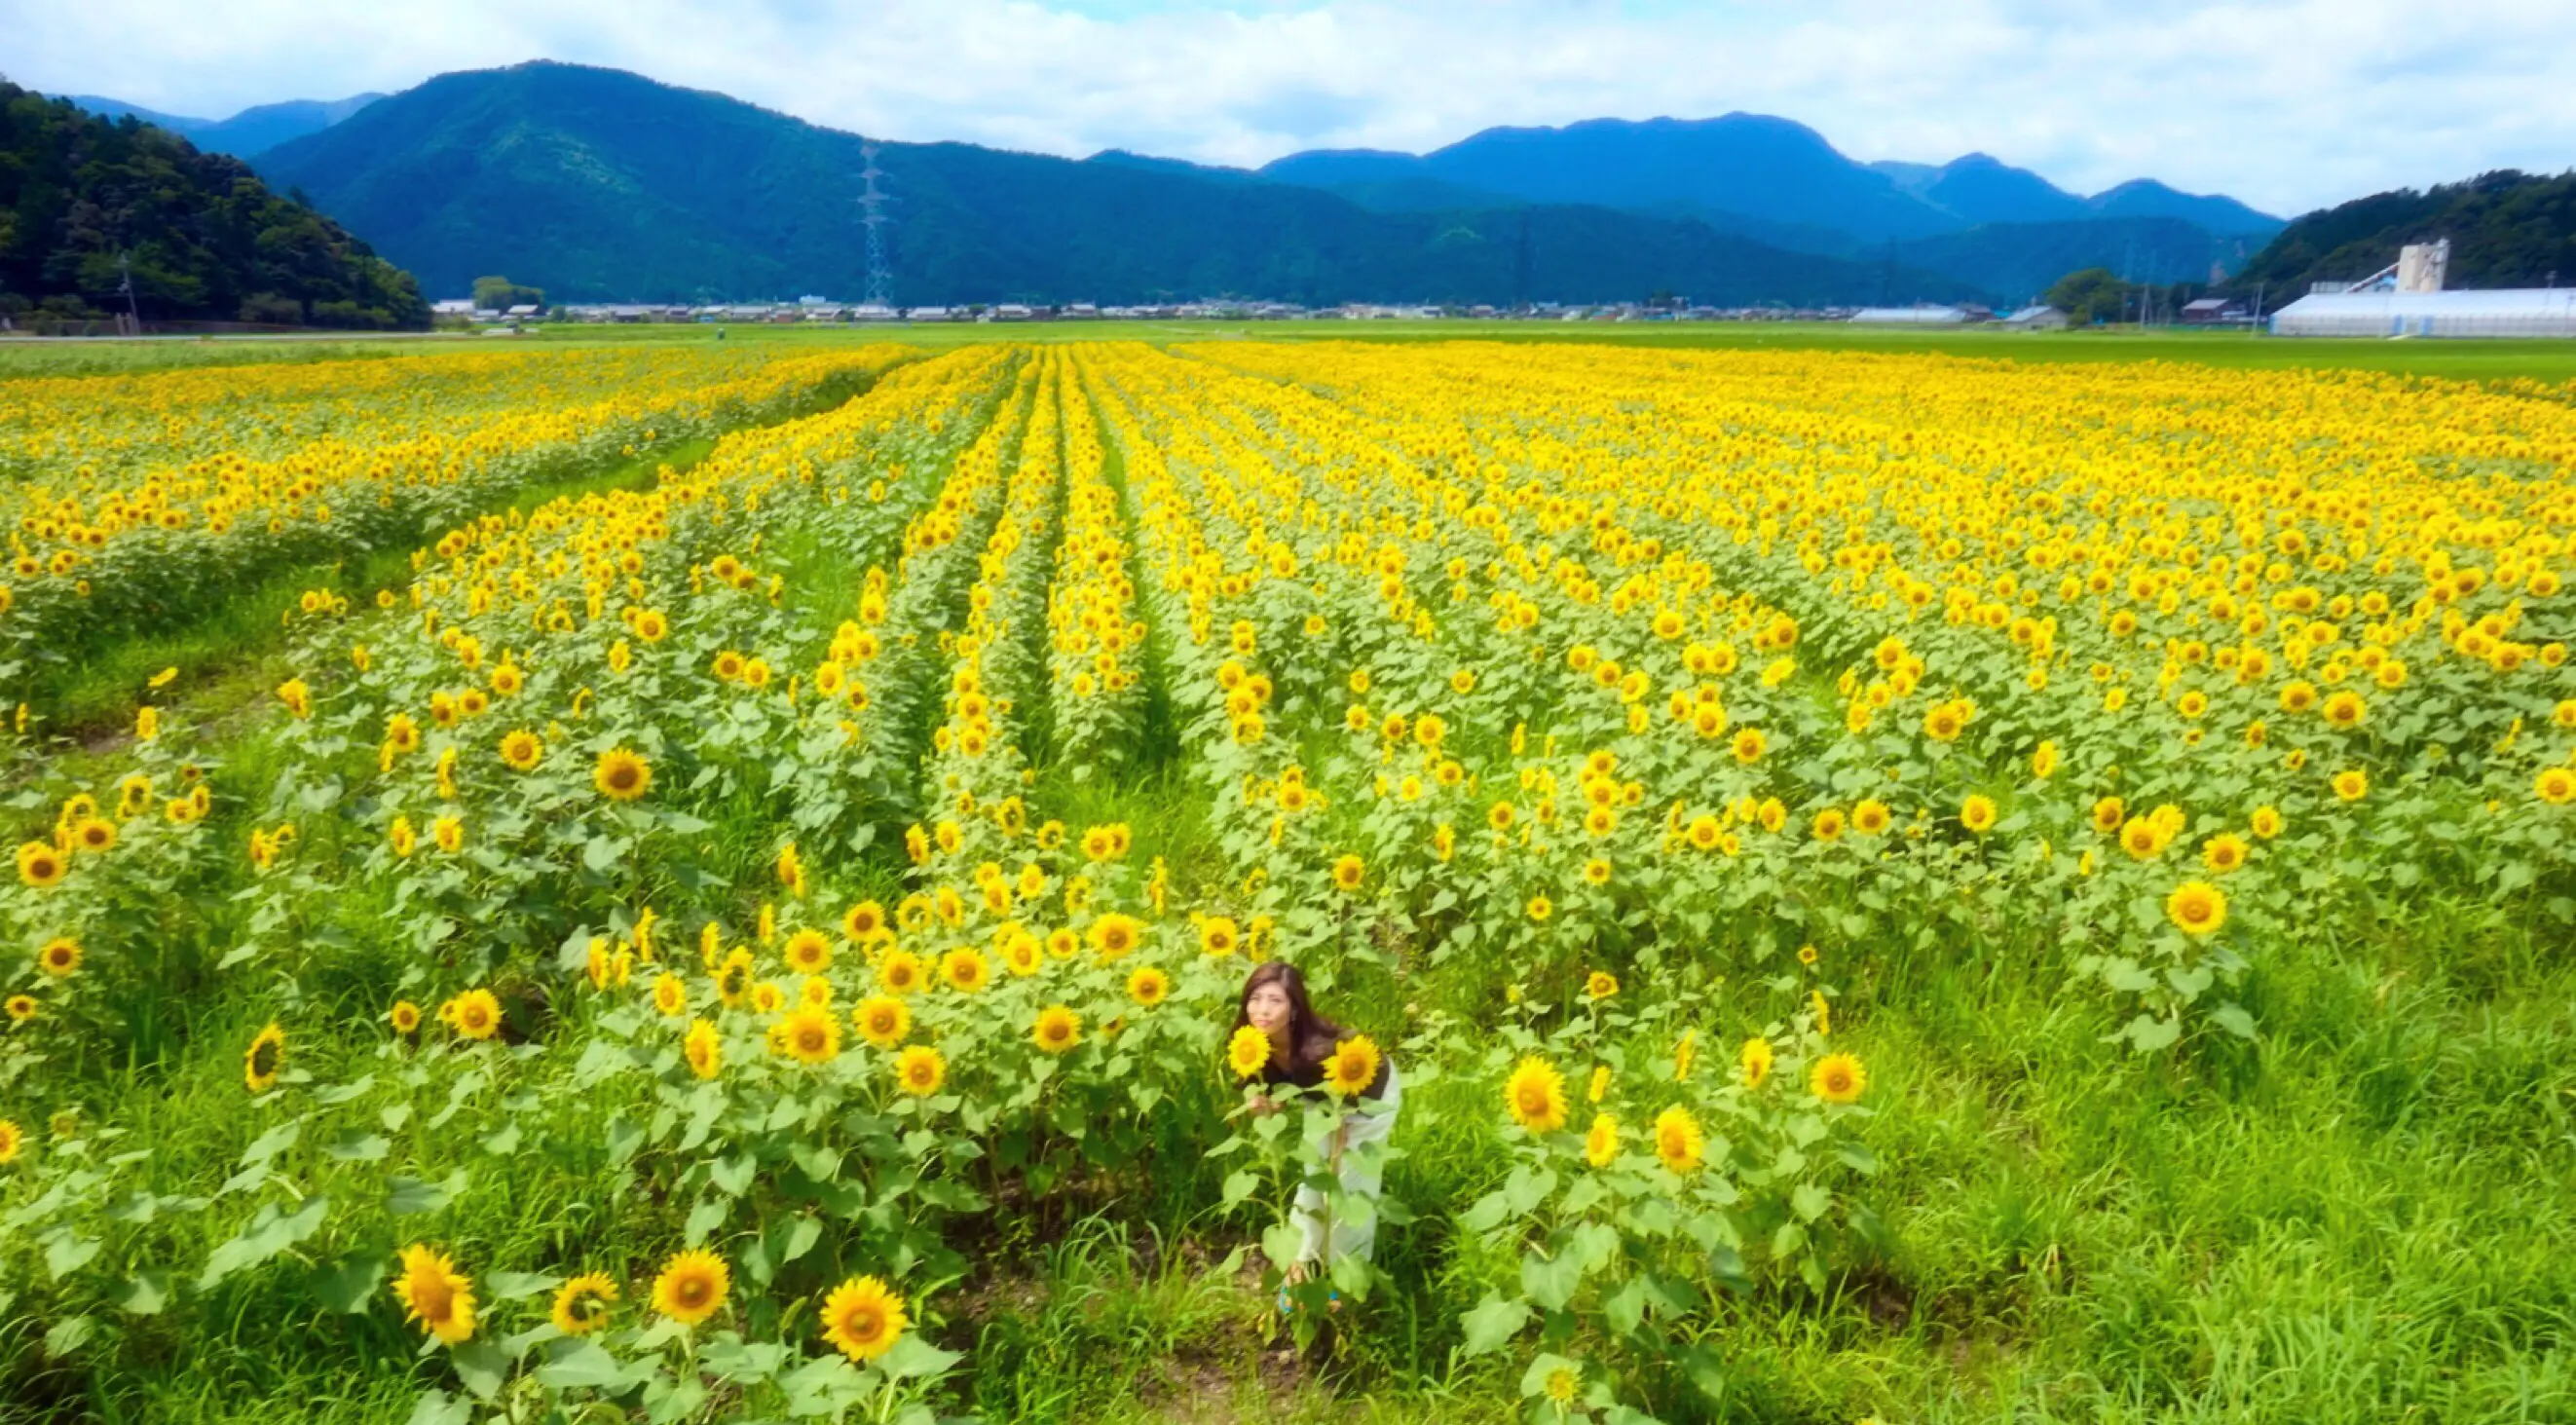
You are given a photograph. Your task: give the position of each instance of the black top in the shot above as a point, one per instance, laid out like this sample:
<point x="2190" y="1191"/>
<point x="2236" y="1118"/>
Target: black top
<point x="1310" y="1073"/>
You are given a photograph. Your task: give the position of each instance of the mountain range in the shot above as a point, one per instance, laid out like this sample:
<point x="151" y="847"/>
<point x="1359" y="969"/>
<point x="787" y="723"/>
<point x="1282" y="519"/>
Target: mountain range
<point x="251" y="132"/>
<point x="1741" y="168"/>
<point x="597" y="184"/>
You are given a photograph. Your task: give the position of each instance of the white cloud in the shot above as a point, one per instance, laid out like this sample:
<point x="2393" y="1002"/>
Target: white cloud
<point x="2286" y="105"/>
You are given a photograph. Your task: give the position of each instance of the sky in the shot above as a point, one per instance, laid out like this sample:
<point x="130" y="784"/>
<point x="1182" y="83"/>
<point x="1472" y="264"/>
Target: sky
<point x="2287" y="106"/>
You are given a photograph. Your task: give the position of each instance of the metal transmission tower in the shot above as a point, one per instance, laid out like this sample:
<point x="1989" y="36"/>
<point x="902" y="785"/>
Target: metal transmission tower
<point x="872" y="208"/>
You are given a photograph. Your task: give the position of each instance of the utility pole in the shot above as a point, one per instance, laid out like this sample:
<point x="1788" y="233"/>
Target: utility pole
<point x="872" y="208"/>
<point x="125" y="289"/>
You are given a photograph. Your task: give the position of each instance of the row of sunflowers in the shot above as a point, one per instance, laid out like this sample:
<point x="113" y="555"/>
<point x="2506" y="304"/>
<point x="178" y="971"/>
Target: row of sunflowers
<point x="129" y="497"/>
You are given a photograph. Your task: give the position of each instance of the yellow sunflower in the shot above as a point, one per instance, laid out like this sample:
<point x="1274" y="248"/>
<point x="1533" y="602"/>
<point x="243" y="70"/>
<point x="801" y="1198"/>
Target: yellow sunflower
<point x="265" y="1056"/>
<point x="60" y="957"/>
<point x="436" y="1295"/>
<point x="1114" y="935"/>
<point x="476" y="1014"/>
<point x="1057" y="1029"/>
<point x="901" y="972"/>
<point x="521" y="750"/>
<point x="1978" y="813"/>
<point x="882" y="1020"/>
<point x="864" y="1318"/>
<point x="581" y="1305"/>
<point x="809" y="1036"/>
<point x="808" y="952"/>
<point x="1678" y="1141"/>
<point x="1149" y="986"/>
<point x="1601" y="1141"/>
<point x="2197" y="908"/>
<point x="41" y="864"/>
<point x="1755" y="1059"/>
<point x="704" y="1049"/>
<point x="1838" y="1078"/>
<point x="965" y="971"/>
<point x="1248" y="1052"/>
<point x="692" y="1286"/>
<point x="622" y="775"/>
<point x="1535" y="1095"/>
<point x="919" y="1071"/>
<point x="1352" y="1067"/>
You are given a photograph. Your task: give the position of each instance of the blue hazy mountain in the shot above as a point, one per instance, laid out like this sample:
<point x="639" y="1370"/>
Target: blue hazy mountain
<point x="251" y="132"/>
<point x="1755" y="174"/>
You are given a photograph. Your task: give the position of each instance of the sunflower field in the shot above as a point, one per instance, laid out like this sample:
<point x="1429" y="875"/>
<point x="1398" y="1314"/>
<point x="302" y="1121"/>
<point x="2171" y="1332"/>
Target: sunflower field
<point x="1899" y="887"/>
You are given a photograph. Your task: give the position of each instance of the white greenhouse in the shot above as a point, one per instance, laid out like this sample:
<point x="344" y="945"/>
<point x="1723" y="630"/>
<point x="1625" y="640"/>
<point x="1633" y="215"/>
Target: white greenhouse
<point x="2516" y="311"/>
<point x="1923" y="316"/>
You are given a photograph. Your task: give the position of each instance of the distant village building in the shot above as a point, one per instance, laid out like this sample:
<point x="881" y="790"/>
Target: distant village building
<point x="2038" y="318"/>
<point x="2210" y="312"/>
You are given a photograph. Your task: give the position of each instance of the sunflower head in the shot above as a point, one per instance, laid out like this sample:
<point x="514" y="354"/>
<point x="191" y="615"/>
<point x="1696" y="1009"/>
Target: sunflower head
<point x="622" y="775"/>
<point x="1149" y="986"/>
<point x="809" y="1036"/>
<point x="1057" y="1029"/>
<point x="704" y="1049"/>
<point x="692" y="1286"/>
<point x="864" y="1318"/>
<point x="1838" y="1078"/>
<point x="2197" y="908"/>
<point x="1352" y="1067"/>
<point x="1535" y="1096"/>
<point x="1755" y="1059"/>
<point x="436" y="1295"/>
<point x="60" y="957"/>
<point x="42" y="865"/>
<point x="265" y="1056"/>
<point x="1248" y="1052"/>
<point x="965" y="970"/>
<point x="919" y="1071"/>
<point x="1601" y="1141"/>
<point x="475" y="1014"/>
<point x="882" y="1020"/>
<point x="581" y="1306"/>
<point x="1678" y="1140"/>
<point x="1114" y="935"/>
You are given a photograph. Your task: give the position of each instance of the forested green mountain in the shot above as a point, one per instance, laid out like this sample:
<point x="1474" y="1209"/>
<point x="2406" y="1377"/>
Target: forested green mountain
<point x="2507" y="229"/>
<point x="203" y="237"/>
<point x="596" y="184"/>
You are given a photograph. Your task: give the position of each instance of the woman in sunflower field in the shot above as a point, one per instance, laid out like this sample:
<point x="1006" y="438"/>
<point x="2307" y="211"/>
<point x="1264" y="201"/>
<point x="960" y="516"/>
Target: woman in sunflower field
<point x="1309" y="1051"/>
